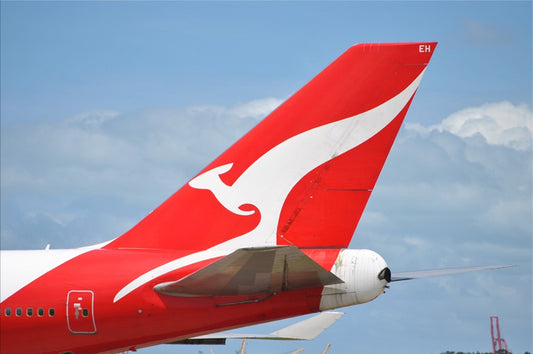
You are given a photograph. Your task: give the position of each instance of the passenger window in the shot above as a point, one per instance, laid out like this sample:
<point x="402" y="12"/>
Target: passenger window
<point x="40" y="312"/>
<point x="29" y="312"/>
<point x="7" y="312"/>
<point x="51" y="312"/>
<point x="18" y="312"/>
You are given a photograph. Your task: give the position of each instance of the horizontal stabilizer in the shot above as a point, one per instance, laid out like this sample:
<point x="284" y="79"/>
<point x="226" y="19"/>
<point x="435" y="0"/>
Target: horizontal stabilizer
<point x="253" y="271"/>
<point x="307" y="329"/>
<point x="440" y="272"/>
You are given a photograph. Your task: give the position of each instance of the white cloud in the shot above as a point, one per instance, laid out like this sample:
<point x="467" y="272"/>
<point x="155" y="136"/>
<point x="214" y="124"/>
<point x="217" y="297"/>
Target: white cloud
<point x="95" y="117"/>
<point x="452" y="199"/>
<point x="257" y="109"/>
<point x="500" y="123"/>
<point x="131" y="162"/>
<point x="138" y="160"/>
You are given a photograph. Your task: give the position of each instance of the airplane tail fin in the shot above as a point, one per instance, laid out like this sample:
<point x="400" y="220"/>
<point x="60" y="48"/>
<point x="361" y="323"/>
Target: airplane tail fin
<point x="304" y="174"/>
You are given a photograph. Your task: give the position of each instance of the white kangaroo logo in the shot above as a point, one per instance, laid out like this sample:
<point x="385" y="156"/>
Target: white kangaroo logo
<point x="266" y="186"/>
<point x="211" y="180"/>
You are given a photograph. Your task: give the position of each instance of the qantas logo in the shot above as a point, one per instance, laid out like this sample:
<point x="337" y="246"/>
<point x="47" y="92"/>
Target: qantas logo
<point x="226" y="195"/>
<point x="265" y="186"/>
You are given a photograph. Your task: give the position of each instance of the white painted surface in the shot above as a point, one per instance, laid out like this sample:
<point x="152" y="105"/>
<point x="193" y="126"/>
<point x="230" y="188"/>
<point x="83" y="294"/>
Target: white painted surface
<point x="359" y="269"/>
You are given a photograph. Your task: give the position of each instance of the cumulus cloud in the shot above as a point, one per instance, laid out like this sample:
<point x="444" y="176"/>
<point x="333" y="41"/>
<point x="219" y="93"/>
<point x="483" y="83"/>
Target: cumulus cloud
<point x="473" y="167"/>
<point x="457" y="194"/>
<point x="462" y="181"/>
<point x="57" y="173"/>
<point x="500" y="123"/>
<point x="257" y="109"/>
<point x="95" y="117"/>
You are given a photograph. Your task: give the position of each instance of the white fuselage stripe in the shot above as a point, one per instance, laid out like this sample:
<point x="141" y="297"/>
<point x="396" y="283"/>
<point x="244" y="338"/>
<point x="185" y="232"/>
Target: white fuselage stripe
<point x="20" y="268"/>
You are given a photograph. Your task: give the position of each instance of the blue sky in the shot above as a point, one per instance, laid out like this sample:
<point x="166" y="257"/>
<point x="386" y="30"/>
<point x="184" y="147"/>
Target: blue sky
<point x="107" y="108"/>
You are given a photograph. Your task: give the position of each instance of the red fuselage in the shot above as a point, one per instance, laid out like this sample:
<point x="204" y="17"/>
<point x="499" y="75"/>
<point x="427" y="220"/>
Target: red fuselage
<point x="71" y="308"/>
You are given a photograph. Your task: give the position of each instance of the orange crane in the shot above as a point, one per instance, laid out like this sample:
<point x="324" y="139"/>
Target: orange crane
<point x="499" y="345"/>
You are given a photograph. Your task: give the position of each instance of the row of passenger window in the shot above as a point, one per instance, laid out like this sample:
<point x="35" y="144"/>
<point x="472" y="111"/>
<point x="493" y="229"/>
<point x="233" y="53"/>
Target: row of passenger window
<point x="29" y="312"/>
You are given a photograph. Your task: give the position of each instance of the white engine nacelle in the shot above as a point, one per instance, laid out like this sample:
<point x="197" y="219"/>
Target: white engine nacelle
<point x="365" y="275"/>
